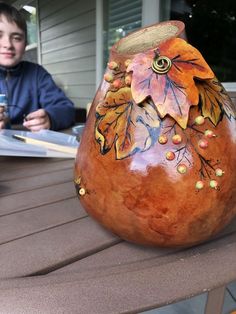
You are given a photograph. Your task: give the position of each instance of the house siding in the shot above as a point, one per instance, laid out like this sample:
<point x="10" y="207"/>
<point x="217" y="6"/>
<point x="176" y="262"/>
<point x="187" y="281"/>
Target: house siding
<point x="68" y="46"/>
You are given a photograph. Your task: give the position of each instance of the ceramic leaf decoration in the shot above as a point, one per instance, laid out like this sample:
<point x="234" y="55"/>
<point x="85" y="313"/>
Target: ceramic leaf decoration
<point x="118" y="116"/>
<point x="173" y="91"/>
<point x="163" y="81"/>
<point x="215" y="101"/>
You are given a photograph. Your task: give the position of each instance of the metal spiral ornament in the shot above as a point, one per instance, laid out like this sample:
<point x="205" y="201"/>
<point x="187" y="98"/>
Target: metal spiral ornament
<point x="161" y="65"/>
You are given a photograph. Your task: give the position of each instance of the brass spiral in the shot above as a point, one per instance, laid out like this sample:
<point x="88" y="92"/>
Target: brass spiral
<point x="161" y="65"/>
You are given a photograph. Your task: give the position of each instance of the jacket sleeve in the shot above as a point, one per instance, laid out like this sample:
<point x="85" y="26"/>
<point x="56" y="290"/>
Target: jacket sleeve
<point x="51" y="98"/>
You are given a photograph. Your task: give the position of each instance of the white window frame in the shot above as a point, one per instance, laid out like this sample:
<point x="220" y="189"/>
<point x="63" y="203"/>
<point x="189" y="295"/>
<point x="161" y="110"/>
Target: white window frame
<point x="99" y="41"/>
<point x="150" y="12"/>
<point x="19" y="4"/>
<point x="150" y="15"/>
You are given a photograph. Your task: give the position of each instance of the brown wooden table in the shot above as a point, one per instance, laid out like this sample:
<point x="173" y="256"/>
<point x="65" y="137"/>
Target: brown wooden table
<point x="56" y="259"/>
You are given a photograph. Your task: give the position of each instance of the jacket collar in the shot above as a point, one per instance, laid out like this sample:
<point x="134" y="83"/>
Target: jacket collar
<point x="14" y="71"/>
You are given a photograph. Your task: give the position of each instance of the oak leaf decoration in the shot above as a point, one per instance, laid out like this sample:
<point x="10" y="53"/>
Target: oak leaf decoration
<point x="214" y="101"/>
<point x="127" y="126"/>
<point x="175" y="91"/>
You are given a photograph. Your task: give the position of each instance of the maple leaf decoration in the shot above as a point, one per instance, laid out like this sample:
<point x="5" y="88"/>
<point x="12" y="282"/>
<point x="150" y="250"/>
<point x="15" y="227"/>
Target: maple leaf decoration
<point x="215" y="101"/>
<point x="173" y="91"/>
<point x="120" y="122"/>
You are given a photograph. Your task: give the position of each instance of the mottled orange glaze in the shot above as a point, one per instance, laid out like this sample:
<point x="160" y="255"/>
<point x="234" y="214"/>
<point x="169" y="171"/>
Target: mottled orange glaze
<point x="146" y="198"/>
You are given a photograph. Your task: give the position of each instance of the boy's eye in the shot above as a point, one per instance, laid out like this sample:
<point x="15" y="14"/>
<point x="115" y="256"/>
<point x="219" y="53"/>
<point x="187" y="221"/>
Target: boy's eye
<point x="17" y="38"/>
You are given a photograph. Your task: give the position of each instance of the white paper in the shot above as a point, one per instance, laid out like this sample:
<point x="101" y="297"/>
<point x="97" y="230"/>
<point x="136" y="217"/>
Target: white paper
<point x="13" y="147"/>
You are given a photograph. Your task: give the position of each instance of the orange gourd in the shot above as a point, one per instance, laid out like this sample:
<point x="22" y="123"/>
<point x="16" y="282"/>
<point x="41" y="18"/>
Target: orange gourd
<point x="156" y="162"/>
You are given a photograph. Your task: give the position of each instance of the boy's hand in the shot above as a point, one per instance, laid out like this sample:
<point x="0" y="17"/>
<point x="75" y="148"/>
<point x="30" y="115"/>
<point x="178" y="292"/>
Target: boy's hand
<point x="2" y="117"/>
<point x="37" y="120"/>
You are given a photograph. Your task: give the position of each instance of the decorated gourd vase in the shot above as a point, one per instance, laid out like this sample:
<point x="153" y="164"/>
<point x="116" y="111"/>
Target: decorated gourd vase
<point x="156" y="161"/>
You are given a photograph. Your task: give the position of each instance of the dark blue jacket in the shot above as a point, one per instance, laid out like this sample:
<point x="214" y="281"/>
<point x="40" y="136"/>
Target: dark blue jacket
<point x="29" y="87"/>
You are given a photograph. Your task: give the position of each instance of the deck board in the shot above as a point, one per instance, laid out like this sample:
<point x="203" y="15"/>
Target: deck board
<point x="9" y="173"/>
<point x="52" y="248"/>
<point x="34" y="182"/>
<point x="27" y="222"/>
<point x="37" y="197"/>
<point x="126" y="253"/>
<point x="26" y="162"/>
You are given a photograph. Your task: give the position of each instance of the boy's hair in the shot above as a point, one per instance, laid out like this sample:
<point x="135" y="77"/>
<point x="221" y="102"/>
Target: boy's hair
<point x="13" y="15"/>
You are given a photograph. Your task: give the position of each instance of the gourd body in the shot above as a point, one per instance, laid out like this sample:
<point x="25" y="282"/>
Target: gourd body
<point x="157" y="178"/>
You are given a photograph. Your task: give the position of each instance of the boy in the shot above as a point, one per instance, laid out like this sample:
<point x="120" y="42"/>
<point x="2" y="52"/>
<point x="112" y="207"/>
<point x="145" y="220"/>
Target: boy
<point x="33" y="98"/>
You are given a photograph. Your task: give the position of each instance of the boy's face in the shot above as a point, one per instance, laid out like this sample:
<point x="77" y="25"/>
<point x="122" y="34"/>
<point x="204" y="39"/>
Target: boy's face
<point x="12" y="43"/>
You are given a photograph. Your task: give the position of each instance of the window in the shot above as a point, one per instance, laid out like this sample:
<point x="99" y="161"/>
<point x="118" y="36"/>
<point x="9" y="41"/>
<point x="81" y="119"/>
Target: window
<point x="29" y="10"/>
<point x="120" y="18"/>
<point x="211" y="28"/>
